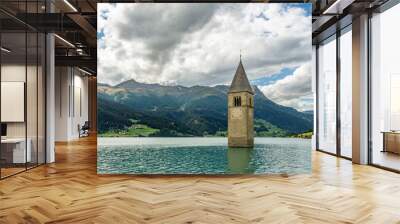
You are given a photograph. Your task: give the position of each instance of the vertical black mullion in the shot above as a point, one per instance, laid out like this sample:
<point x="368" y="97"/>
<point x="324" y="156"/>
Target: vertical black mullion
<point x="37" y="89"/>
<point x="73" y="92"/>
<point x="369" y="90"/>
<point x="317" y="97"/>
<point x="338" y="74"/>
<point x="45" y="96"/>
<point x="45" y="90"/>
<point x="26" y="86"/>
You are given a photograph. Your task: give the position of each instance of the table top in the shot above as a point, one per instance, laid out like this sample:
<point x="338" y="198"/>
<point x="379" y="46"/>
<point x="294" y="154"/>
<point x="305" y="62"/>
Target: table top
<point x="13" y="140"/>
<point x="391" y="132"/>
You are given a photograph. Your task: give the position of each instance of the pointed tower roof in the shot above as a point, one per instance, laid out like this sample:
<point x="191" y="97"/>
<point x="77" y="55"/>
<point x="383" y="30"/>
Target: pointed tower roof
<point x="240" y="83"/>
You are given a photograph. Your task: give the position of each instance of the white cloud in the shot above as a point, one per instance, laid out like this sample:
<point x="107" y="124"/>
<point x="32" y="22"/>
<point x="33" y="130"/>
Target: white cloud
<point x="294" y="90"/>
<point x="199" y="44"/>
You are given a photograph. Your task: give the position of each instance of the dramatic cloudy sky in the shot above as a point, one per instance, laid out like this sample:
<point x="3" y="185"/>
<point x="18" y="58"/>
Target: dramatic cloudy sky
<point x="199" y="44"/>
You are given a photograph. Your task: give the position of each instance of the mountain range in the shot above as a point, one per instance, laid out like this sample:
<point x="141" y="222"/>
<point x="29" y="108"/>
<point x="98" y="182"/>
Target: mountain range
<point x="161" y="110"/>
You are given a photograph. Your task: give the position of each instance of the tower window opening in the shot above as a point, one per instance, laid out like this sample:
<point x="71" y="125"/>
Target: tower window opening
<point x="237" y="101"/>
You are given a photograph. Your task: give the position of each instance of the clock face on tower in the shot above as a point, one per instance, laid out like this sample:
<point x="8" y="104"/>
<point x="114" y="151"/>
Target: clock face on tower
<point x="236" y="113"/>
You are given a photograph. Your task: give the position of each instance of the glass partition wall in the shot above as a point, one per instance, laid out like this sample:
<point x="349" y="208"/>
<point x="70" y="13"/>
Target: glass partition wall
<point x="13" y="110"/>
<point x="22" y="78"/>
<point x="334" y="93"/>
<point x="327" y="95"/>
<point x="385" y="89"/>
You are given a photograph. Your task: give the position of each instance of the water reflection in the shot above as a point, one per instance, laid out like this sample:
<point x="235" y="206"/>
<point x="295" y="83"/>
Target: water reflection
<point x="202" y="156"/>
<point x="239" y="160"/>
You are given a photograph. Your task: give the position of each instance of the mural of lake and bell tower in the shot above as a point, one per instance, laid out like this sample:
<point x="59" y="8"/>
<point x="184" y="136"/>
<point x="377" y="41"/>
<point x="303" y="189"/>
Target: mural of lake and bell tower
<point x="196" y="108"/>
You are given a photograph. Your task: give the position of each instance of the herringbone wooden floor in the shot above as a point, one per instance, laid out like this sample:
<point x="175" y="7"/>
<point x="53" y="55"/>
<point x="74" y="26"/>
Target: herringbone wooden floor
<point x="69" y="191"/>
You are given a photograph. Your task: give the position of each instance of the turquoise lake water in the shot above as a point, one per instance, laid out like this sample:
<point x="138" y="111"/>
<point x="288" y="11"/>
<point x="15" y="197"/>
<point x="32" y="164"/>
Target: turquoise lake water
<point x="202" y="155"/>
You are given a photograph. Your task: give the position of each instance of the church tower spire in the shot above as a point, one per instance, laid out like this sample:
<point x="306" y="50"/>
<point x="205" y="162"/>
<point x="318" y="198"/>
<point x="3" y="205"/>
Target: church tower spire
<point x="240" y="110"/>
<point x="240" y="83"/>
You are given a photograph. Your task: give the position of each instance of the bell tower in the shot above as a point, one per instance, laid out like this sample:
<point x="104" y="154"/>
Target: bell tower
<point x="240" y="110"/>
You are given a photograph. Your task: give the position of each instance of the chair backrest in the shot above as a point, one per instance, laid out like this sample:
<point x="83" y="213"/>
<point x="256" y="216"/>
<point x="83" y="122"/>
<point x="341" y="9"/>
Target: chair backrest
<point x="86" y="125"/>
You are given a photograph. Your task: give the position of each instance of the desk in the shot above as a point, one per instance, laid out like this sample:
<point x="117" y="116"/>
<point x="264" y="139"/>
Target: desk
<point x="19" y="155"/>
<point x="391" y="142"/>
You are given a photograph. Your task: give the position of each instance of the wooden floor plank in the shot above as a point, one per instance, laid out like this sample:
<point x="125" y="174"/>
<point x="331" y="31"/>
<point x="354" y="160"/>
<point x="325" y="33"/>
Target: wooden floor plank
<point x="70" y="191"/>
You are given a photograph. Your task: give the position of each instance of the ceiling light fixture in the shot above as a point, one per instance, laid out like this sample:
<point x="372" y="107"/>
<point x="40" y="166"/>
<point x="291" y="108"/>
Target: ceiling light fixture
<point x="331" y="7"/>
<point x="64" y="40"/>
<point x="337" y="7"/>
<point x="84" y="71"/>
<point x="79" y="51"/>
<point x="70" y="5"/>
<point x="5" y="50"/>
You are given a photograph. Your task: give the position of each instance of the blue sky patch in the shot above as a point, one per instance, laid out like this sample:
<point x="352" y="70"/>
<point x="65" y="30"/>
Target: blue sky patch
<point x="100" y="34"/>
<point x="307" y="7"/>
<point x="269" y="80"/>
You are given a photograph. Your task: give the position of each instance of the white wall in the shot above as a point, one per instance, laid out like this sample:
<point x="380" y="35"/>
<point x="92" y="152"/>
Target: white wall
<point x="80" y="104"/>
<point x="13" y="100"/>
<point x="14" y="73"/>
<point x="33" y="125"/>
<point x="61" y="103"/>
<point x="71" y="94"/>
